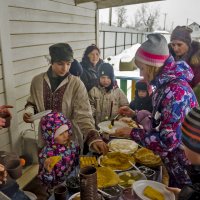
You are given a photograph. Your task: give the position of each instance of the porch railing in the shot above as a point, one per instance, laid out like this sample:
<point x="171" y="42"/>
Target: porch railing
<point x="120" y="41"/>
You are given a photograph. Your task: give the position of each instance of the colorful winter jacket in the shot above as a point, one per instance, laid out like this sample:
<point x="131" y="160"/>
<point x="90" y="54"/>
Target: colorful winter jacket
<point x="172" y="99"/>
<point x="68" y="153"/>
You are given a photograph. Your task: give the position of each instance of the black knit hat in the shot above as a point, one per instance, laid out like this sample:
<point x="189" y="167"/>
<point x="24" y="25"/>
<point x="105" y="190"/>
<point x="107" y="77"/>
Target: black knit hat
<point x="61" y="52"/>
<point x="76" y="68"/>
<point x="182" y="33"/>
<point x="106" y="69"/>
<point x="191" y="130"/>
<point x="141" y="85"/>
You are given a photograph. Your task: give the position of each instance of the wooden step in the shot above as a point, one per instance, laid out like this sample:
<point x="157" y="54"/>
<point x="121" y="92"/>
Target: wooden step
<point x="28" y="174"/>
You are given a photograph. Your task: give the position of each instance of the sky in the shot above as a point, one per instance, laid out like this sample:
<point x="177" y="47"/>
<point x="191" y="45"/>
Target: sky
<point x="178" y="12"/>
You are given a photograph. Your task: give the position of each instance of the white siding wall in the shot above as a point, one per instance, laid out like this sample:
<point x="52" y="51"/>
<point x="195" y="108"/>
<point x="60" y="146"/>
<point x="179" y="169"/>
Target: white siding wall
<point x="34" y="26"/>
<point x="4" y="135"/>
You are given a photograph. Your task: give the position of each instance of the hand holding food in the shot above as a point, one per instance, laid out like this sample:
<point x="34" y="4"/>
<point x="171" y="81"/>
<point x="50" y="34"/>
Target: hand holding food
<point x="125" y="110"/>
<point x="51" y="162"/>
<point x="176" y="191"/>
<point x="100" y="147"/>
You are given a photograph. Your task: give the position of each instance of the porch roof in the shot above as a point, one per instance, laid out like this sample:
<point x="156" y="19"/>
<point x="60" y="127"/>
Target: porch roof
<point x="114" y="3"/>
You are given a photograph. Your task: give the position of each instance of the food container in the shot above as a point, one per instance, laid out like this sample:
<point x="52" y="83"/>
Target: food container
<point x="127" y="178"/>
<point x="14" y="168"/>
<point x="115" y="192"/>
<point x="73" y="184"/>
<point x="149" y="173"/>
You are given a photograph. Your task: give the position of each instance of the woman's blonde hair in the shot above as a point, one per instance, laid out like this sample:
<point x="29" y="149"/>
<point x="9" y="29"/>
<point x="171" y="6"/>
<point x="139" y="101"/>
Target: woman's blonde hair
<point x="152" y="71"/>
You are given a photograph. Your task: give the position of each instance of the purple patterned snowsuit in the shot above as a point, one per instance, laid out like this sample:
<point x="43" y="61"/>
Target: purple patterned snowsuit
<point x="69" y="153"/>
<point x="172" y="99"/>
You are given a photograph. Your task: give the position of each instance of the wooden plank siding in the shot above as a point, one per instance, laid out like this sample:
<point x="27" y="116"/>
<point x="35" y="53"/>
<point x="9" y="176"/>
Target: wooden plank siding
<point x="4" y="134"/>
<point x="34" y="26"/>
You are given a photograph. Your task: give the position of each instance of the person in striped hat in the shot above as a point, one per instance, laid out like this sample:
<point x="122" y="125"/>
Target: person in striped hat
<point x="172" y="99"/>
<point x="191" y="140"/>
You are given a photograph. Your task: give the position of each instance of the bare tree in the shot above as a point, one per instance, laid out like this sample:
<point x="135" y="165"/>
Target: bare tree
<point x="122" y="17"/>
<point x="146" y="17"/>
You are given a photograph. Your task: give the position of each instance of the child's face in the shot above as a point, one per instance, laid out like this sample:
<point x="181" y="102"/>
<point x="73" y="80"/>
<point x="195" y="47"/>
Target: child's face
<point x="142" y="93"/>
<point x="105" y="81"/>
<point x="63" y="138"/>
<point x="192" y="156"/>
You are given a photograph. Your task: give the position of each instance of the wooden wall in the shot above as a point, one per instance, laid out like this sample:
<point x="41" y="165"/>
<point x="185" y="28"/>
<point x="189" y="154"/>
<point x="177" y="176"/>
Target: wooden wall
<point x="34" y="25"/>
<point x="4" y="134"/>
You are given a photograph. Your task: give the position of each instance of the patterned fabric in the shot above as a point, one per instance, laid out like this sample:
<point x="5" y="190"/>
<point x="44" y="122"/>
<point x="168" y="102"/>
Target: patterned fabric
<point x="196" y="90"/>
<point x="69" y="153"/>
<point x="51" y="123"/>
<point x="53" y="101"/>
<point x="191" y="130"/>
<point x="172" y="100"/>
<point x="75" y="105"/>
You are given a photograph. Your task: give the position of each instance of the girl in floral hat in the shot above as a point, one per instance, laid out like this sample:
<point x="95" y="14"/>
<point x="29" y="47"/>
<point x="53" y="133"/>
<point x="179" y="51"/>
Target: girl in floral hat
<point x="58" y="157"/>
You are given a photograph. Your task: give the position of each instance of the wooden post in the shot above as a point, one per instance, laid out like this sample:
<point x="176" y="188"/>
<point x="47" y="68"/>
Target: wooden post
<point x="97" y="27"/>
<point x="123" y="85"/>
<point x="8" y="77"/>
<point x="133" y="89"/>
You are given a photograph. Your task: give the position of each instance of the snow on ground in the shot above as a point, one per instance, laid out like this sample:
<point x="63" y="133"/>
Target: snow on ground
<point x="125" y="56"/>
